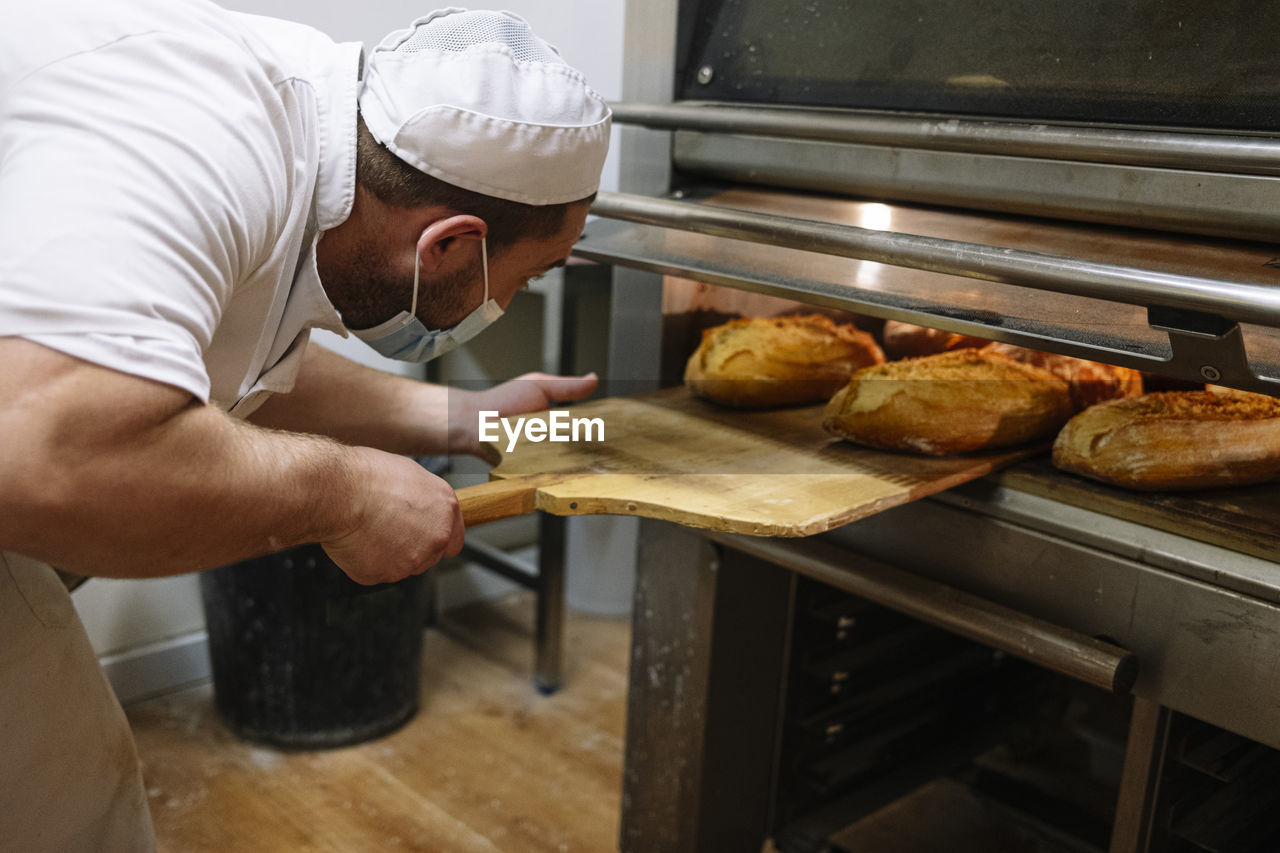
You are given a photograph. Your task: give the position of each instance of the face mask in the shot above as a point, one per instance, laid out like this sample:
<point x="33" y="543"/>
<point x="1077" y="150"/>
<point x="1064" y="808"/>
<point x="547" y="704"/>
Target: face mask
<point x="405" y="338"/>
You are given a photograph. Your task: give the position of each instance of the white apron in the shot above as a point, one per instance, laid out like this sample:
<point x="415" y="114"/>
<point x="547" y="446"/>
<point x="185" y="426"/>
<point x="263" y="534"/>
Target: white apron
<point x="69" y="775"/>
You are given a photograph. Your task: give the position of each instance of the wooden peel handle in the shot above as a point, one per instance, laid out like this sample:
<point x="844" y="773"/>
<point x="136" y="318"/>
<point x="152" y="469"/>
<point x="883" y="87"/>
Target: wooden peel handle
<point x="499" y="499"/>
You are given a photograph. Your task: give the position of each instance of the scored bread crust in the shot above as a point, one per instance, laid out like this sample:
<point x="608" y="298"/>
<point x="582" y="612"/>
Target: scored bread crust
<point x="904" y="340"/>
<point x="1092" y="382"/>
<point x="1175" y="440"/>
<point x="758" y="362"/>
<point x="952" y="402"/>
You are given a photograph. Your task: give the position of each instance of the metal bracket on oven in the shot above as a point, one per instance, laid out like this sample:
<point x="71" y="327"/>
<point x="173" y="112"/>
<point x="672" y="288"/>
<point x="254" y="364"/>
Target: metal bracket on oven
<point x="1207" y="345"/>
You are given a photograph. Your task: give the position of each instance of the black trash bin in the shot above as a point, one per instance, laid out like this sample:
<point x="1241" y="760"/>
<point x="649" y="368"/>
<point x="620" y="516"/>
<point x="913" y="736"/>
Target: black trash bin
<point x="304" y="657"/>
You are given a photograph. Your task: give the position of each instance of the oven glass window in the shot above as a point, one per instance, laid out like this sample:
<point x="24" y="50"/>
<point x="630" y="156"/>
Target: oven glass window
<point x="1193" y="63"/>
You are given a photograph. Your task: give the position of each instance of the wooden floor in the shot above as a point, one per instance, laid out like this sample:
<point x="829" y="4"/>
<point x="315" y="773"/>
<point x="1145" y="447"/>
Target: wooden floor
<point x="487" y="765"/>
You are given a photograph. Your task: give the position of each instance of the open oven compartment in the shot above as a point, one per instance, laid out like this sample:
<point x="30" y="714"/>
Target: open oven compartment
<point x="893" y="705"/>
<point x="947" y="744"/>
<point x="1097" y="180"/>
<point x="944" y="742"/>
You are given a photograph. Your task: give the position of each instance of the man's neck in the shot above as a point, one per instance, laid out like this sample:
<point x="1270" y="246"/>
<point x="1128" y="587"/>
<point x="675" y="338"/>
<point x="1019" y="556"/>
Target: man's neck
<point x="354" y="263"/>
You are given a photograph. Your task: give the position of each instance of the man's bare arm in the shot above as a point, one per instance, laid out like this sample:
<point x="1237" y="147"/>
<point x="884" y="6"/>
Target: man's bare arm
<point x="355" y="404"/>
<point x="109" y="474"/>
<point x="336" y="397"/>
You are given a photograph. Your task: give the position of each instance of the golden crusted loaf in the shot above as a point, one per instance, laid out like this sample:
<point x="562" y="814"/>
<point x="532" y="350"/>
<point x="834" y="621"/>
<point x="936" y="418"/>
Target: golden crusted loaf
<point x="903" y="340"/>
<point x="1175" y="440"/>
<point x="758" y="362"/>
<point x="952" y="402"/>
<point x="1091" y="382"/>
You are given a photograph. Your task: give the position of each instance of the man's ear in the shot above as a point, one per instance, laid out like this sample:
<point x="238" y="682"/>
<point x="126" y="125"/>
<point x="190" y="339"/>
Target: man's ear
<point x="450" y="241"/>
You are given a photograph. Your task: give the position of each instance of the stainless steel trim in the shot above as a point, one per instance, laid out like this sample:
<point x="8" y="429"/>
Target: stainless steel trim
<point x="709" y="642"/>
<point x="1238" y="301"/>
<point x="1205" y="649"/>
<point x="1241" y="207"/>
<point x="649" y="70"/>
<point x="1252" y="155"/>
<point x="1211" y="564"/>
<point x="649" y="67"/>
<point x="1073" y="654"/>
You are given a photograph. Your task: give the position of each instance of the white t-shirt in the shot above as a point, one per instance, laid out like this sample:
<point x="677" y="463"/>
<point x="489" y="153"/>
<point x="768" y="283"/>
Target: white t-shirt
<point x="166" y="167"/>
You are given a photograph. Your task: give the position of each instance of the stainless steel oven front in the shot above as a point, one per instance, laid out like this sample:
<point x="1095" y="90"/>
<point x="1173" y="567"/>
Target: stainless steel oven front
<point x="1097" y="179"/>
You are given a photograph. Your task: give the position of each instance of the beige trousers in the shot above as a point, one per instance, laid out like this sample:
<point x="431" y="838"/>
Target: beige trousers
<point x="69" y="774"/>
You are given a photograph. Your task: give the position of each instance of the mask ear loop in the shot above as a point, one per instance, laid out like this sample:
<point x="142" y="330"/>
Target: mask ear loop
<point x="413" y="308"/>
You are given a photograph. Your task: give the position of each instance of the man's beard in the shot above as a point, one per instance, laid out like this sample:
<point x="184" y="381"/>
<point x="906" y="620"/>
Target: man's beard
<point x="373" y="293"/>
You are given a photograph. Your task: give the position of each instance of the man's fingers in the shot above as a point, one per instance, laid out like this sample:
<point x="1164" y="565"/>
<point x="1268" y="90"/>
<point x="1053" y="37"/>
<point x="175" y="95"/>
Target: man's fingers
<point x="531" y="392"/>
<point x="561" y="388"/>
<point x="576" y="388"/>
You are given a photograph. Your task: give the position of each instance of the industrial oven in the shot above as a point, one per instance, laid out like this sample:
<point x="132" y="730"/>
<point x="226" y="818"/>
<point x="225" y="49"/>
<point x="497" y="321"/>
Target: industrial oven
<point x="1030" y="661"/>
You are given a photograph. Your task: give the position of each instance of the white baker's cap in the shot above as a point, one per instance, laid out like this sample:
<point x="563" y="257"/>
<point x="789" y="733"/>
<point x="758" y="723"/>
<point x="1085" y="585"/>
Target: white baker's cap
<point x="475" y="99"/>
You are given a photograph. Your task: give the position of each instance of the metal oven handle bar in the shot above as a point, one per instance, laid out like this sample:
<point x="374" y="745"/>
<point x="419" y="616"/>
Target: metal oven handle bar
<point x="1239" y="301"/>
<point x="1201" y="152"/>
<point x="1071" y="653"/>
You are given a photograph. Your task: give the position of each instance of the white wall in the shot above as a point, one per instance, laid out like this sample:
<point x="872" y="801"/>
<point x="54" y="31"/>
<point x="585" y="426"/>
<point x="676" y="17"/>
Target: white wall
<point x="127" y="615"/>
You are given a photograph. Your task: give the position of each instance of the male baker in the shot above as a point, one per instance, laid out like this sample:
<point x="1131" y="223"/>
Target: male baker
<point x="184" y="193"/>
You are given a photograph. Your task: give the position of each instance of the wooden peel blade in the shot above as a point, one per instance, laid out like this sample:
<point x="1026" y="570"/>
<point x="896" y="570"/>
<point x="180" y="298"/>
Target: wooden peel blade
<point x="676" y="458"/>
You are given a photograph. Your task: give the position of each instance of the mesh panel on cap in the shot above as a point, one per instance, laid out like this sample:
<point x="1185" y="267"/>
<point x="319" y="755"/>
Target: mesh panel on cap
<point x="455" y="33"/>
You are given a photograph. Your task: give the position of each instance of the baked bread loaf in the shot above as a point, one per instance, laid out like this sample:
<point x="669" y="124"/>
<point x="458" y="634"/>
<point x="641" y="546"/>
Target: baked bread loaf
<point x="1091" y="382"/>
<point x="952" y="402"/>
<point x="759" y="362"/>
<point x="903" y="340"/>
<point x="1175" y="440"/>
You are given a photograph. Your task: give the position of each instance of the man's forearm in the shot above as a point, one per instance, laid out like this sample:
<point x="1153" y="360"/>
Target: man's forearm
<point x="358" y="405"/>
<point x="109" y="474"/>
<point x="196" y="491"/>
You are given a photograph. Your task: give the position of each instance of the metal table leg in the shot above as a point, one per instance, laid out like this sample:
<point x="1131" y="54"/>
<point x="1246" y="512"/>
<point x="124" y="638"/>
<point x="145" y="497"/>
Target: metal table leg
<point x="547" y="583"/>
<point x="549" y="640"/>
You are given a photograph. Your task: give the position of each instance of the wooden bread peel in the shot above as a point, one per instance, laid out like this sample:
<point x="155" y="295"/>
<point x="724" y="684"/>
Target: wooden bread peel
<point x="673" y="457"/>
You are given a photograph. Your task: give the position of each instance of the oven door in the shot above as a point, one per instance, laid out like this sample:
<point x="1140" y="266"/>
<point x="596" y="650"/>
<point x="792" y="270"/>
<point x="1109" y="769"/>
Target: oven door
<point x="1148" y="113"/>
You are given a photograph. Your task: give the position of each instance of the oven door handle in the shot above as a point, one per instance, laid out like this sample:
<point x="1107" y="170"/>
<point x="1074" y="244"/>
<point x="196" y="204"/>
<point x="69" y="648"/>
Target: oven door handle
<point x="1241" y="301"/>
<point x="1063" y="650"/>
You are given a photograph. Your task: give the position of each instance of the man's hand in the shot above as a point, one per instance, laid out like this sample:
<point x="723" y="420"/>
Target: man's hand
<point x="531" y="392"/>
<point x="407" y="520"/>
<point x="360" y="406"/>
